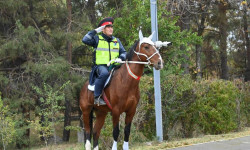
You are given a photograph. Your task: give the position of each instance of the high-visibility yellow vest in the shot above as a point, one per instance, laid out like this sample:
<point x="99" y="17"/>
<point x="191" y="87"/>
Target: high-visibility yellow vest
<point x="106" y="51"/>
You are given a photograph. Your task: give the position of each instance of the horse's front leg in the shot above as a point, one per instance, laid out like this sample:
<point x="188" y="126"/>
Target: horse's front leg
<point x="128" y="121"/>
<point x="115" y="118"/>
<point x="100" y="118"/>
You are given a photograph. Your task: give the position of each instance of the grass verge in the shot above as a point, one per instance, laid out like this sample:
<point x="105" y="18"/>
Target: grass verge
<point x="154" y="145"/>
<point x="184" y="142"/>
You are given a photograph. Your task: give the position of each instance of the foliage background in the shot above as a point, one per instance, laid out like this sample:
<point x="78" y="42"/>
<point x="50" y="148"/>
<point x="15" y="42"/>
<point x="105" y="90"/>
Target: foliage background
<point x="35" y="39"/>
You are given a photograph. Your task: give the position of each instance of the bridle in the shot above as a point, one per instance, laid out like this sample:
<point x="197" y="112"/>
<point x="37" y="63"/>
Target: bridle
<point x="148" y="58"/>
<point x="140" y="62"/>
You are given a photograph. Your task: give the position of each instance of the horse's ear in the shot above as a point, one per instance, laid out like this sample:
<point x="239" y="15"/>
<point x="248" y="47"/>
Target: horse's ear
<point x="140" y="35"/>
<point x="151" y="36"/>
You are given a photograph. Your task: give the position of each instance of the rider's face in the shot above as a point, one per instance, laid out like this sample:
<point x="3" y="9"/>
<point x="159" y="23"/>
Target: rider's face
<point x="108" y="30"/>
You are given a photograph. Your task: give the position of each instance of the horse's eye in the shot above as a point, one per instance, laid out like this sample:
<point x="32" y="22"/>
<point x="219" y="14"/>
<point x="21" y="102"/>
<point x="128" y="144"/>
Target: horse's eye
<point x="146" y="47"/>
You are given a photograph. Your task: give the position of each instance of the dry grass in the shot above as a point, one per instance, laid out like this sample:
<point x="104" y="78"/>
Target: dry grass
<point x="185" y="142"/>
<point x="154" y="145"/>
<point x="74" y="146"/>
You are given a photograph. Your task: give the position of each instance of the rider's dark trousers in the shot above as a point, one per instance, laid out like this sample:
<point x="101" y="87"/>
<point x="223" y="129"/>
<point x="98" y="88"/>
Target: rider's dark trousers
<point x="103" y="74"/>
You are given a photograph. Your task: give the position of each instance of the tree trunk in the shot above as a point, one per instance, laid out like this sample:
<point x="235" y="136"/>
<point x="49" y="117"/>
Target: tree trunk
<point x="67" y="120"/>
<point x="67" y="117"/>
<point x="222" y="6"/>
<point x="91" y="12"/>
<point x="201" y="27"/>
<point x="69" y="52"/>
<point x="247" y="41"/>
<point x="185" y="25"/>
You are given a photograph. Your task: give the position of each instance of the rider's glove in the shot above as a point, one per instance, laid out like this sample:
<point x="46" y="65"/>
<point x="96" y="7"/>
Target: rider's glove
<point x="118" y="60"/>
<point x="99" y="29"/>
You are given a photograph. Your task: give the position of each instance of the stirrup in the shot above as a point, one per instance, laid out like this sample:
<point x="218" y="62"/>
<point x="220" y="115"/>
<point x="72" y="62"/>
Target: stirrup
<point x="99" y="101"/>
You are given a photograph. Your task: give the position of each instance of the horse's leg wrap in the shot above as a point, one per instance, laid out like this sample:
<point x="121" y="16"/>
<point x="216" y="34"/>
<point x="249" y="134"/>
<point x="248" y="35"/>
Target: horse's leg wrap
<point x="88" y="145"/>
<point x="115" y="136"/>
<point x="96" y="148"/>
<point x="114" y="147"/>
<point x="125" y="146"/>
<point x="116" y="132"/>
<point x="127" y="132"/>
<point x="126" y="136"/>
<point x="87" y="141"/>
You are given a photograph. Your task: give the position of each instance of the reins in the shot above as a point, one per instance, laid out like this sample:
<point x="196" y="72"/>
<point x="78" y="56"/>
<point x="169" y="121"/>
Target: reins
<point x="135" y="62"/>
<point x="140" y="62"/>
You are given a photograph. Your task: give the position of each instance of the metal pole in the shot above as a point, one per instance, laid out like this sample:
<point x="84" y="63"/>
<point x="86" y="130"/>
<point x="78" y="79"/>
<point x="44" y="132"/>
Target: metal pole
<point x="157" y="86"/>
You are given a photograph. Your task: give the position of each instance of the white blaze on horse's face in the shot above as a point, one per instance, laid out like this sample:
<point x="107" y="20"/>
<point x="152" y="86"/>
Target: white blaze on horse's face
<point x="158" y="64"/>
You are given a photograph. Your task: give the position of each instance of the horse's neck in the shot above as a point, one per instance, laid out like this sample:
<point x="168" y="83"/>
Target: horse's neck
<point x="136" y="69"/>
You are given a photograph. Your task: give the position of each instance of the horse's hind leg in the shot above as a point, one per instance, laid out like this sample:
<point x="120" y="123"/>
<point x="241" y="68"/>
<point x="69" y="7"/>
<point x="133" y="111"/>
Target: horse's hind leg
<point x="100" y="118"/>
<point x="88" y="125"/>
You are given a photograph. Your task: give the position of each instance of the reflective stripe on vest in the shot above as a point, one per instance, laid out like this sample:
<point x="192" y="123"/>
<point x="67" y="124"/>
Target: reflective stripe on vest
<point x="106" y="52"/>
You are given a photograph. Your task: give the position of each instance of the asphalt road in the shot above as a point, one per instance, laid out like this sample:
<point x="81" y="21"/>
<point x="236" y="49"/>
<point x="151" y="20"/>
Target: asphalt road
<point x="242" y="143"/>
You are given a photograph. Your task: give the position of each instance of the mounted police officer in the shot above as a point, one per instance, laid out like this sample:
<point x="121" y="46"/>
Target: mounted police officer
<point x="106" y="48"/>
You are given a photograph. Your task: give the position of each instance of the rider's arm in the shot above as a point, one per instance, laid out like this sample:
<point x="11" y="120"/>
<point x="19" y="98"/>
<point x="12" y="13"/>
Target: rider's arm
<point x="122" y="51"/>
<point x="91" y="38"/>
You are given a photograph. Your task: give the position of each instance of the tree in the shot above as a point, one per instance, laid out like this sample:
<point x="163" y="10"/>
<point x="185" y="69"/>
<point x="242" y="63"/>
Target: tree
<point x="50" y="110"/>
<point x="33" y="51"/>
<point x="67" y="119"/>
<point x="201" y="17"/>
<point x="247" y="40"/>
<point x="222" y="25"/>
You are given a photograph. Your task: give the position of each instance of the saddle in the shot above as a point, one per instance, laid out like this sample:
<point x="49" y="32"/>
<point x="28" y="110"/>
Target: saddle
<point x="91" y="87"/>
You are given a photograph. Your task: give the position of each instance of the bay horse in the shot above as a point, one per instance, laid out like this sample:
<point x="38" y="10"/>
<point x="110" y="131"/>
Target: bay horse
<point x="122" y="92"/>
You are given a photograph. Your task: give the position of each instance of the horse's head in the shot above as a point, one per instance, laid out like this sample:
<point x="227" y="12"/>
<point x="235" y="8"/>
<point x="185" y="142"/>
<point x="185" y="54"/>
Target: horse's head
<point x="146" y="51"/>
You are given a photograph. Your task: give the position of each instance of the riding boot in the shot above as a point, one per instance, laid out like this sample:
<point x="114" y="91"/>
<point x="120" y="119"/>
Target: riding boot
<point x="99" y="101"/>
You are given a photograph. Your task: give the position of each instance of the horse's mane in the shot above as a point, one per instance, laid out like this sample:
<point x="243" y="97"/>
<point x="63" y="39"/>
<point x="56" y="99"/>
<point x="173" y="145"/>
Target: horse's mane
<point x="131" y="51"/>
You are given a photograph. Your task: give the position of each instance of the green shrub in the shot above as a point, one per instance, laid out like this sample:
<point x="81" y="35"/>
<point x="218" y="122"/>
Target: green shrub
<point x="246" y="103"/>
<point x="7" y="126"/>
<point x="49" y="111"/>
<point x="243" y="103"/>
<point x="215" y="107"/>
<point x="205" y="107"/>
<point x="177" y="97"/>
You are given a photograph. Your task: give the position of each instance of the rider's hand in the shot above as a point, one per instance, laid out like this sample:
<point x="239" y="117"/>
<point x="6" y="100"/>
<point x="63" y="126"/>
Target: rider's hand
<point x="118" y="60"/>
<point x="99" y="29"/>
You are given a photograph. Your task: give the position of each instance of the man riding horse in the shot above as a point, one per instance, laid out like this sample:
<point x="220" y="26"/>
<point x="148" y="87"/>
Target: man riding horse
<point x="106" y="48"/>
<point x="126" y="78"/>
